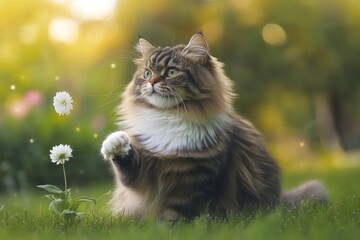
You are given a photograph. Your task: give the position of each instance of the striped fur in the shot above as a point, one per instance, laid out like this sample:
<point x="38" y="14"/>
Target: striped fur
<point x="182" y="150"/>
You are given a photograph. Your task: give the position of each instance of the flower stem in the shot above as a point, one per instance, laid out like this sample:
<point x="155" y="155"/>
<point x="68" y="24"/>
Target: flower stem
<point x="63" y="165"/>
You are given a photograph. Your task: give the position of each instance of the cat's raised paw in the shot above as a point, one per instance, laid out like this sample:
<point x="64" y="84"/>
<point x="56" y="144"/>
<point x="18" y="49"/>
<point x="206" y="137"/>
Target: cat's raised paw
<point x="116" y="144"/>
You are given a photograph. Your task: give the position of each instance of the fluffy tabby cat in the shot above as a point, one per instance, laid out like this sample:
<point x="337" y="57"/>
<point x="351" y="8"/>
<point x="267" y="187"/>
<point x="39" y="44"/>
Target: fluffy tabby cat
<point x="182" y="150"/>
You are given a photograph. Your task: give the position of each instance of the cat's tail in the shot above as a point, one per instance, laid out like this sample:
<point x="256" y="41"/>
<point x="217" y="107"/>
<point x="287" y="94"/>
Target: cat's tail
<point x="313" y="190"/>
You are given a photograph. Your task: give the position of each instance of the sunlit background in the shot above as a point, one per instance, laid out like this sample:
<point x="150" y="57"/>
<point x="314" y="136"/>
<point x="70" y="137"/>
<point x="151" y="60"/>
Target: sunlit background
<point x="296" y="67"/>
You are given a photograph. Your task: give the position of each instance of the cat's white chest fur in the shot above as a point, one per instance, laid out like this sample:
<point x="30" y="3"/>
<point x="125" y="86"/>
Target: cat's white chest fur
<point x="168" y="134"/>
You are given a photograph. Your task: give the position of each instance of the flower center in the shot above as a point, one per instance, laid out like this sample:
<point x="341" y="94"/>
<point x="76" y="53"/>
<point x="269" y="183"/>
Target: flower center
<point x="62" y="157"/>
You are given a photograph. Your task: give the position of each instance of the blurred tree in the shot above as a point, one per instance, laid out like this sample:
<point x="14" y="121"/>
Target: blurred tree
<point x="294" y="64"/>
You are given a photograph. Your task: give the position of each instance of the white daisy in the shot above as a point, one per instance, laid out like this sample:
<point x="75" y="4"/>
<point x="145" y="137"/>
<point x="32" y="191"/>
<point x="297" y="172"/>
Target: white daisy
<point x="63" y="103"/>
<point x="60" y="153"/>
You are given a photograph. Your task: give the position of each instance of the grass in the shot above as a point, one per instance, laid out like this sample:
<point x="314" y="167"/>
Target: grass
<point x="27" y="215"/>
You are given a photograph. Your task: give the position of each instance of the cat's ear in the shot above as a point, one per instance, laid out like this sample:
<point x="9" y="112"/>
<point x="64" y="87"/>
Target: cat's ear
<point x="197" y="48"/>
<point x="145" y="48"/>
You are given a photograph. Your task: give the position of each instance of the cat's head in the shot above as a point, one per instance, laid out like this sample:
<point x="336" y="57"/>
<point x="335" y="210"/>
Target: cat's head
<point x="183" y="79"/>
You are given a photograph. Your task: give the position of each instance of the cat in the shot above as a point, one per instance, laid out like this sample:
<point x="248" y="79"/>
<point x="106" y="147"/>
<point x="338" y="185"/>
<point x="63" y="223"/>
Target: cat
<point x="183" y="150"/>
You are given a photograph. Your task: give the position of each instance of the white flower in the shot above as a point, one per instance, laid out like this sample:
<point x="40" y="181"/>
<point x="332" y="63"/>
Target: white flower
<point x="60" y="153"/>
<point x="63" y="103"/>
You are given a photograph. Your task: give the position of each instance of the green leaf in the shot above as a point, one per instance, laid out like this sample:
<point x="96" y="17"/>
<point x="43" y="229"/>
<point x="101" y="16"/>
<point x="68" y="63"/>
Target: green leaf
<point x="54" y="206"/>
<point x="50" y="196"/>
<point x="84" y="199"/>
<point x="67" y="195"/>
<point x="72" y="213"/>
<point x="68" y="212"/>
<point x="75" y="203"/>
<point x="67" y="191"/>
<point x="51" y="188"/>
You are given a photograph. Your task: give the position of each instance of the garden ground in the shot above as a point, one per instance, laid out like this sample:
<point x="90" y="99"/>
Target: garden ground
<point x="26" y="215"/>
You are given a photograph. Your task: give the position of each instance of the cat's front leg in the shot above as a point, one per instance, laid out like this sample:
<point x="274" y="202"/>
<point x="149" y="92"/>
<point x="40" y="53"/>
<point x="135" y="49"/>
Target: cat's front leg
<point x="118" y="149"/>
<point x="116" y="144"/>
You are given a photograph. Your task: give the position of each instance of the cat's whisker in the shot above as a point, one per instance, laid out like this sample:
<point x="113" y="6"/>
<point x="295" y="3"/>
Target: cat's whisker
<point x="181" y="100"/>
<point x="165" y="102"/>
<point x="172" y="41"/>
<point x="133" y="53"/>
<point x="177" y="103"/>
<point x="112" y="101"/>
<point x="112" y="92"/>
<point x="105" y="95"/>
<point x="168" y="100"/>
<point x="166" y="96"/>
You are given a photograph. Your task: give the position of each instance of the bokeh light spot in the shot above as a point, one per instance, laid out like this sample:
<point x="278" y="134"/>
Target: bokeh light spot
<point x="63" y="30"/>
<point x="34" y="98"/>
<point x="273" y="34"/>
<point x="19" y="109"/>
<point x="92" y="9"/>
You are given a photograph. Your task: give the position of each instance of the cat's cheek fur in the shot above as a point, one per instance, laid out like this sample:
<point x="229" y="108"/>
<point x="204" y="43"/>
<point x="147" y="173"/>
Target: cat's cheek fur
<point x="116" y="144"/>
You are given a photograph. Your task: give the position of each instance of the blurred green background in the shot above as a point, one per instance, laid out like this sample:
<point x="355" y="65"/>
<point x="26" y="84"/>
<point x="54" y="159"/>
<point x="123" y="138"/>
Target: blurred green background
<point x="295" y="64"/>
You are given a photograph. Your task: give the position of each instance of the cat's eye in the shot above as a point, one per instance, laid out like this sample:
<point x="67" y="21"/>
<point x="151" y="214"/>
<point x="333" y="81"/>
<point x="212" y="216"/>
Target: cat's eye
<point x="172" y="72"/>
<point x="147" y="74"/>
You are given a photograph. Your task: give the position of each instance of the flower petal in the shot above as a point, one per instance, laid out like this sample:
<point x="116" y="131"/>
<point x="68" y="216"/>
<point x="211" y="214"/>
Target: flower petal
<point x="60" y="154"/>
<point x="63" y="103"/>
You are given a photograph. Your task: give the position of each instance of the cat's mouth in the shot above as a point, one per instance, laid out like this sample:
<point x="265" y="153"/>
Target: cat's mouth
<point x="160" y="97"/>
<point x="161" y="100"/>
<point x="155" y="92"/>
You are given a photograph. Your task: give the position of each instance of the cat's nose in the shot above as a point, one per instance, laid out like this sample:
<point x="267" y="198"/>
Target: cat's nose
<point x="154" y="80"/>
